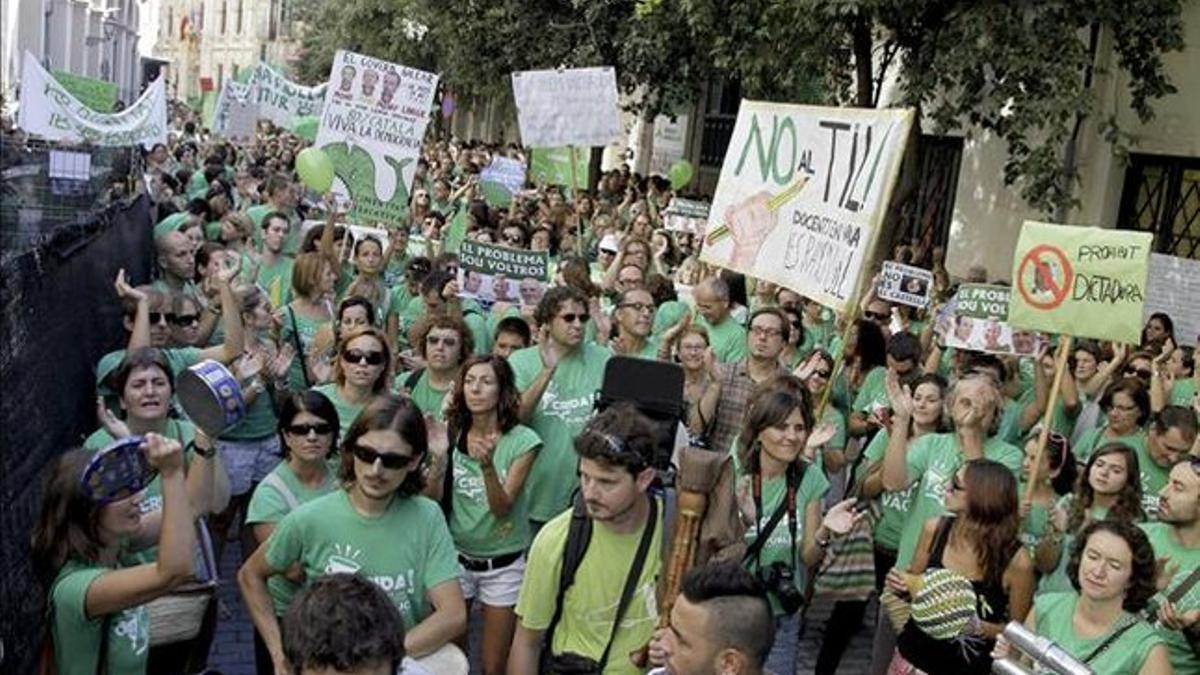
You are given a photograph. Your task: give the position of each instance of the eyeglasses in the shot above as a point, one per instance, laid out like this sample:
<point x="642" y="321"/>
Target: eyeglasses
<point x="359" y="356"/>
<point x="183" y="319"/>
<point x="876" y="316"/>
<point x="389" y="460"/>
<point x="1138" y="373"/>
<point x="636" y="306"/>
<point x="436" y="340"/>
<point x="762" y="331"/>
<point x="823" y="374"/>
<point x="572" y="317"/>
<point x="320" y="429"/>
<point x="161" y="317"/>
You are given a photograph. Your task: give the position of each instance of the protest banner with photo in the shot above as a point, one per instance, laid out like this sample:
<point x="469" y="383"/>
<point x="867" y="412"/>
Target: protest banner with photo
<point x="502" y="179"/>
<point x="1080" y="281"/>
<point x="975" y="320"/>
<point x="50" y="111"/>
<point x="280" y="100"/>
<point x="96" y="94"/>
<point x="552" y="166"/>
<point x="668" y="143"/>
<point x="905" y="284"/>
<point x="1169" y="283"/>
<point x="490" y="274"/>
<point x="686" y="215"/>
<point x="567" y="107"/>
<point x="235" y="116"/>
<point x="372" y="127"/>
<point x="803" y="193"/>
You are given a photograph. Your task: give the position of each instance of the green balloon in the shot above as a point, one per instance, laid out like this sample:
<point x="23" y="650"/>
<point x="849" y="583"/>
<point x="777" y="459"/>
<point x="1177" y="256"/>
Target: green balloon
<point x="680" y="174"/>
<point x="315" y="169"/>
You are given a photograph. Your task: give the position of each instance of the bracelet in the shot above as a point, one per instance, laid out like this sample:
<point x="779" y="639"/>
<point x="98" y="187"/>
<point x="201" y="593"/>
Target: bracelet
<point x="206" y="453"/>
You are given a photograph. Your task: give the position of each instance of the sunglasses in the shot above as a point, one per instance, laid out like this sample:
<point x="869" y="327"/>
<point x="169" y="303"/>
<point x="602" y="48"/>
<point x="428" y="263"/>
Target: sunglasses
<point x="823" y="374"/>
<point x="1138" y="373"/>
<point x="389" y="460"/>
<point x="572" y="318"/>
<point x="183" y="319"/>
<point x="161" y="317"/>
<point x="439" y="340"/>
<point x="636" y="306"/>
<point x="876" y="316"/>
<point x="359" y="356"/>
<point x="320" y="429"/>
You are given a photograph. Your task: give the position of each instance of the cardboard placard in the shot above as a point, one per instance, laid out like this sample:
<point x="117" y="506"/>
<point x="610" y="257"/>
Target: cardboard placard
<point x="974" y="320"/>
<point x="490" y="273"/>
<point x="575" y="106"/>
<point x="905" y="284"/>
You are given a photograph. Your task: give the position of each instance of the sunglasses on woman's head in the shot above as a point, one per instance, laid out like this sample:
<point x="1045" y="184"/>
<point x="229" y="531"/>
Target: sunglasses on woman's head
<point x="320" y="429"/>
<point x="389" y="460"/>
<point x="370" y="358"/>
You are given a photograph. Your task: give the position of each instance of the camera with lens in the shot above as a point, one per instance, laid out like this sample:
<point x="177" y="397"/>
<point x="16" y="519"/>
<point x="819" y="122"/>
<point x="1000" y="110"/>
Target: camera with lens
<point x="780" y="582"/>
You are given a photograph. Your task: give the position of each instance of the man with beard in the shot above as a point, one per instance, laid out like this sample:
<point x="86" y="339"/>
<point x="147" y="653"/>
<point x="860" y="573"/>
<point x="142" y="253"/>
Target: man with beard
<point x="768" y="331"/>
<point x="1176" y="541"/>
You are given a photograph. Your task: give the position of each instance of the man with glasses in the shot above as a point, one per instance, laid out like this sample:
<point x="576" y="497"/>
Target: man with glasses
<point x="558" y="379"/>
<point x="634" y="318"/>
<point x="1176" y="541"/>
<point x="879" y="312"/>
<point x="376" y="526"/>
<point x="725" y="334"/>
<point x="444" y="343"/>
<point x="767" y="335"/>
<point x="871" y="404"/>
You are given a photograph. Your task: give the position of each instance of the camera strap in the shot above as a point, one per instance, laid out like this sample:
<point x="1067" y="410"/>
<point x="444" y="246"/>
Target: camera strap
<point x="786" y="505"/>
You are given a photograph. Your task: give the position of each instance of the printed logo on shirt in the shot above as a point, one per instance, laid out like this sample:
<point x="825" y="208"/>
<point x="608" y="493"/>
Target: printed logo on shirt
<point x="573" y="411"/>
<point x="134" y="626"/>
<point x="151" y="504"/>
<point x="935" y="485"/>
<point x="467" y="484"/>
<point x="900" y="500"/>
<point x="346" y="559"/>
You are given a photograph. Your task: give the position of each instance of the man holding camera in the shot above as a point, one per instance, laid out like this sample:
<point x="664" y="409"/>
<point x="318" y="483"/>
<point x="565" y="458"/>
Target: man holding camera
<point x="616" y="527"/>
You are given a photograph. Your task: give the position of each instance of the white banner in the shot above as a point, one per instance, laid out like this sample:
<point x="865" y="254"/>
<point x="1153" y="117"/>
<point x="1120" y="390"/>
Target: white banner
<point x="47" y="110"/>
<point x="668" y="145"/>
<point x="567" y="107"/>
<point x="280" y="100"/>
<point x="802" y="195"/>
<point x="372" y="128"/>
<point x="235" y="115"/>
<point x="1169" y="284"/>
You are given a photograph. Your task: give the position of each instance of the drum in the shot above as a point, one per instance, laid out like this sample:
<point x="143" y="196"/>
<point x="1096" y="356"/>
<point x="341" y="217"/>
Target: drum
<point x="211" y="397"/>
<point x="118" y="471"/>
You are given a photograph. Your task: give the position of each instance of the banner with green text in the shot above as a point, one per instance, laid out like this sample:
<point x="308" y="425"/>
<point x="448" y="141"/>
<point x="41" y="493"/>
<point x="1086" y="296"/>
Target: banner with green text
<point x="280" y="100"/>
<point x="1081" y="281"/>
<point x="490" y="273"/>
<point x="803" y="193"/>
<point x="50" y="111"/>
<point x="372" y="127"/>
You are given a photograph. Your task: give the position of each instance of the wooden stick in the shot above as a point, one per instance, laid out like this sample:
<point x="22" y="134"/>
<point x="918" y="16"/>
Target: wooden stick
<point x="1060" y="366"/>
<point x="838" y="362"/>
<point x="574" y="188"/>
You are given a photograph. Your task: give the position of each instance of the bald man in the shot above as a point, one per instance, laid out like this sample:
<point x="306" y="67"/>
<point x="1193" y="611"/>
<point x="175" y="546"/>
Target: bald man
<point x="726" y="336"/>
<point x="176" y="263"/>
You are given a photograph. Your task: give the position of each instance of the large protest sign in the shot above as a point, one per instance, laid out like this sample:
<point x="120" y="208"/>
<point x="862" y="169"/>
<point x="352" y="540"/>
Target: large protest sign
<point x="280" y="100"/>
<point x="236" y="115"/>
<point x="372" y="127"/>
<point x="904" y="284"/>
<point x="567" y="107"/>
<point x="50" y="111"/>
<point x="1173" y="287"/>
<point x="553" y="167"/>
<point x="802" y="195"/>
<point x="490" y="274"/>
<point x="975" y="320"/>
<point x="669" y="141"/>
<point x="1081" y="281"/>
<point x="502" y="179"/>
<point x="686" y="215"/>
<point x="96" y="94"/>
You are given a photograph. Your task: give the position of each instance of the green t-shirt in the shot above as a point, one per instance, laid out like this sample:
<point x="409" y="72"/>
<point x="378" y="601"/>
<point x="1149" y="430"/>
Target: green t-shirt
<point x="477" y="531"/>
<point x="428" y="399"/>
<point x="1183" y="391"/>
<point x="77" y="637"/>
<point x="1154" y="479"/>
<point x="1054" y="615"/>
<point x="728" y="338"/>
<point x="812" y="488"/>
<point x="1094" y="438"/>
<point x="406" y="551"/>
<point x="306" y="329"/>
<point x="269" y="505"/>
<point x="649" y="351"/>
<point x="873" y="392"/>
<point x="291" y="244"/>
<point x="347" y="411"/>
<point x="1057" y="580"/>
<point x="932" y="462"/>
<point x="1183" y="659"/>
<point x="561" y="413"/>
<point x="667" y="315"/>
<point x="893" y="506"/>
<point x="590" y="604"/>
<point x="276" y="280"/>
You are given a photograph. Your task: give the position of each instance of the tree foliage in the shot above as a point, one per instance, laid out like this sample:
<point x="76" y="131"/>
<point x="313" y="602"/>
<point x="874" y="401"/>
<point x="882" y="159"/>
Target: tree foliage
<point x="1019" y="69"/>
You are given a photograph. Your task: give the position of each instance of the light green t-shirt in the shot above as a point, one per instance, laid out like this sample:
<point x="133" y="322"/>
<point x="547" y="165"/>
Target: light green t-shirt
<point x="306" y="329"/>
<point x="1090" y="440"/>
<point x="1054" y="615"/>
<point x="561" y="413"/>
<point x="1154" y="478"/>
<point x="667" y="315"/>
<point x="426" y="398"/>
<point x="590" y="604"/>
<point x="406" y="551"/>
<point x="873" y="392"/>
<point x="1057" y="580"/>
<point x="269" y="505"/>
<point x="477" y="531"/>
<point x="1183" y="659"/>
<point x="893" y="506"/>
<point x="812" y="488"/>
<point x="276" y="280"/>
<point x="932" y="462"/>
<point x="347" y="412"/>
<point x="728" y="338"/>
<point x="649" y="351"/>
<point x="1183" y="391"/>
<point x="77" y="637"/>
<point x="291" y="243"/>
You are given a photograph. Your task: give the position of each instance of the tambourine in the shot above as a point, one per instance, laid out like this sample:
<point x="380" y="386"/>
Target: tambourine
<point x="211" y="397"/>
<point x="117" y="472"/>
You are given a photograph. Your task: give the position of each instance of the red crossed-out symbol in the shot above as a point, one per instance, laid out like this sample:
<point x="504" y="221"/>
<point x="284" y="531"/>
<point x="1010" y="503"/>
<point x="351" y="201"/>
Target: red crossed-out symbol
<point x="1037" y="276"/>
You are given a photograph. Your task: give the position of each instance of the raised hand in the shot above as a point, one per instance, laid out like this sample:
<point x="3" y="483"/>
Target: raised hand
<point x="124" y="290"/>
<point x="842" y="517"/>
<point x="899" y="395"/>
<point x="164" y="454"/>
<point x="114" y="425"/>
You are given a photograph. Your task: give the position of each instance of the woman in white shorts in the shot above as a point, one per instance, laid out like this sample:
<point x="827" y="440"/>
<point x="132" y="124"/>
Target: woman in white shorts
<point x="481" y="493"/>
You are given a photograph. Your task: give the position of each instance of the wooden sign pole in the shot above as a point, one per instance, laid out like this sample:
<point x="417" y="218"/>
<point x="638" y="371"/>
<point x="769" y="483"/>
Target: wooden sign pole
<point x="1060" y="366"/>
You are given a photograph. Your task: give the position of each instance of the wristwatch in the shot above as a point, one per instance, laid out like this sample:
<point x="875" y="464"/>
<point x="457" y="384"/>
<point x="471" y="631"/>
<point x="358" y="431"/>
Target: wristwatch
<point x="206" y="453"/>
